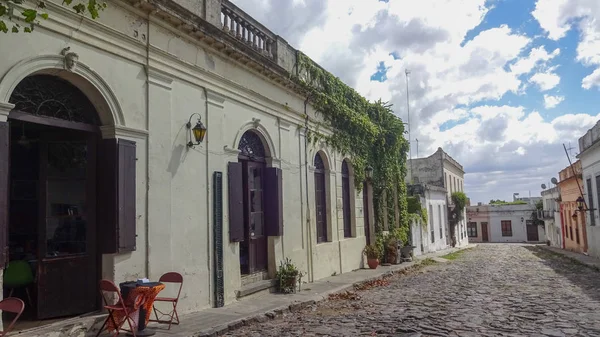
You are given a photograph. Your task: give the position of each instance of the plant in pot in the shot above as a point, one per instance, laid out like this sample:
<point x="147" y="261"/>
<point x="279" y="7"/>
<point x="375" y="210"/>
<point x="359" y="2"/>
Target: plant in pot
<point x="287" y="276"/>
<point x="391" y="250"/>
<point x="372" y="253"/>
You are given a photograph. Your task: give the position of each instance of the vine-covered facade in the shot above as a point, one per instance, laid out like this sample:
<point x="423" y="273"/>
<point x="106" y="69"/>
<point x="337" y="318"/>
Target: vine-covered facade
<point x="274" y="177"/>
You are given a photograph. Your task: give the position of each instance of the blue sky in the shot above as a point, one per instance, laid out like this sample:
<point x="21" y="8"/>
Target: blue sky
<point x="498" y="84"/>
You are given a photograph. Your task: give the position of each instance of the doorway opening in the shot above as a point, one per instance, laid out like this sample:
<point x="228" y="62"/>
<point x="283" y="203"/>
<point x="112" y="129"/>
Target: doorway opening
<point x="253" y="249"/>
<point x="53" y="254"/>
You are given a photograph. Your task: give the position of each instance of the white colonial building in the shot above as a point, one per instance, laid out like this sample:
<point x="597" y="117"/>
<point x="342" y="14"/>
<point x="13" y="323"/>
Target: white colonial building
<point x="440" y="169"/>
<point x="430" y="237"/>
<point x="551" y="216"/>
<point x="514" y="223"/>
<point x="102" y="178"/>
<point x="589" y="156"/>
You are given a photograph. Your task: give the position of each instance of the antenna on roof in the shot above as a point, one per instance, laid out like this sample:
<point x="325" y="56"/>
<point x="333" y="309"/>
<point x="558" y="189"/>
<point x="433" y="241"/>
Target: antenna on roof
<point x="543" y="186"/>
<point x="554" y="181"/>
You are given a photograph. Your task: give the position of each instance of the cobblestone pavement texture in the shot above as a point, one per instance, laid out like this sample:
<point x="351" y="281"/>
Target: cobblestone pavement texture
<point x="491" y="290"/>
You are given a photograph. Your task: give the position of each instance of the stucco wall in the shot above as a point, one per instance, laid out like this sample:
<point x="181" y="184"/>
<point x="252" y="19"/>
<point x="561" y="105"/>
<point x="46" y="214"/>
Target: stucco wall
<point x="514" y="213"/>
<point x="435" y="201"/>
<point x="157" y="88"/>
<point x="570" y="189"/>
<point x="479" y="215"/>
<point x="590" y="163"/>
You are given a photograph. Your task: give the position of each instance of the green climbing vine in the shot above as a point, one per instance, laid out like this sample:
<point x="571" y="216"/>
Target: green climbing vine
<point x="368" y="132"/>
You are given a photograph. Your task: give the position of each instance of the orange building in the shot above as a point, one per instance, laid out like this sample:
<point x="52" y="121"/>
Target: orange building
<point x="573" y="224"/>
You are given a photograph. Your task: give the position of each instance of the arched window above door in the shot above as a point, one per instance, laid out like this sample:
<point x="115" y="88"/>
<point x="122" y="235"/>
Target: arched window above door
<point x="319" y="164"/>
<point x="347" y="204"/>
<point x="51" y="96"/>
<point x="320" y="181"/>
<point x="251" y="145"/>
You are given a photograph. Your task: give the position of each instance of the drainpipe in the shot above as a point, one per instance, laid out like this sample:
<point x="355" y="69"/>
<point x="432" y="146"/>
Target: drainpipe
<point x="147" y="264"/>
<point x="308" y="227"/>
<point x="209" y="237"/>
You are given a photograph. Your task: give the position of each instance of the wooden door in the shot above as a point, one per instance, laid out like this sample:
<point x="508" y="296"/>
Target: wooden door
<point x="67" y="265"/>
<point x="320" y="206"/>
<point x="255" y="224"/>
<point x="484" y="232"/>
<point x="532" y="231"/>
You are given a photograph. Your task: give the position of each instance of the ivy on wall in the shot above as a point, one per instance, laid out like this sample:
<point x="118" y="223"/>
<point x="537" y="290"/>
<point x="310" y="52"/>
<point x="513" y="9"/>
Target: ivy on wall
<point x="368" y="132"/>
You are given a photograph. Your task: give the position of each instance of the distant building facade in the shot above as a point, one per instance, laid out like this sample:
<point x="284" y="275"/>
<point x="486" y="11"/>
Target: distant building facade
<point x="552" y="216"/>
<point x="478" y="223"/>
<point x="514" y="223"/>
<point x="440" y="169"/>
<point x="432" y="236"/>
<point x="570" y="185"/>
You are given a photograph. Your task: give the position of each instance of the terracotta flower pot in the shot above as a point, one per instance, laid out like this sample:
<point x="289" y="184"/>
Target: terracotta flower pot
<point x="373" y="263"/>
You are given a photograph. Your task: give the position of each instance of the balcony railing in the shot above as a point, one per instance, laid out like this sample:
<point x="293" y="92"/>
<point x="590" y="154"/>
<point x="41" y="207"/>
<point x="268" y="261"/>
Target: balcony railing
<point x="243" y="27"/>
<point x="545" y="215"/>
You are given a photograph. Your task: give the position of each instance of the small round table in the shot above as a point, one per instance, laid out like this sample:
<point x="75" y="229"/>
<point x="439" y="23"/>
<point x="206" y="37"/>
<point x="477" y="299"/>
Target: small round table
<point x="126" y="290"/>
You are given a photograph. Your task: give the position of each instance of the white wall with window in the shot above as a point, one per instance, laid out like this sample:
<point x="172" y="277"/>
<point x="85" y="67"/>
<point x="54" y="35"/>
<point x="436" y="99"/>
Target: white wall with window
<point x="513" y="223"/>
<point x="590" y="163"/>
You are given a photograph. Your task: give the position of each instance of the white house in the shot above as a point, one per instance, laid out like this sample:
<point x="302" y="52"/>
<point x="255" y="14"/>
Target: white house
<point x="105" y="180"/>
<point x="551" y="216"/>
<point x="440" y="169"/>
<point x="589" y="155"/>
<point x="430" y="237"/>
<point x="514" y="223"/>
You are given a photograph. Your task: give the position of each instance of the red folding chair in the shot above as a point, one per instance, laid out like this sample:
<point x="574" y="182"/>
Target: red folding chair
<point x="13" y="305"/>
<point x="171" y="277"/>
<point x="108" y="287"/>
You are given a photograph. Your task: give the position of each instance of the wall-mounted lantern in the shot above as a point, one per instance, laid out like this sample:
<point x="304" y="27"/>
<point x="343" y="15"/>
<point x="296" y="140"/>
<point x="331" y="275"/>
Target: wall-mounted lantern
<point x="197" y="133"/>
<point x="580" y="203"/>
<point x="369" y="172"/>
<point x="522" y="219"/>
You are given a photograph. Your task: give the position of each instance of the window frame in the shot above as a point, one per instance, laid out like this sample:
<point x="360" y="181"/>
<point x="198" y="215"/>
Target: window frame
<point x="506" y="232"/>
<point x="472" y="226"/>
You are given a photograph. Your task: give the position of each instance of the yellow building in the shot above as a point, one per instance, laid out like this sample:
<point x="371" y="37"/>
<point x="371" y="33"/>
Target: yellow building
<point x="573" y="223"/>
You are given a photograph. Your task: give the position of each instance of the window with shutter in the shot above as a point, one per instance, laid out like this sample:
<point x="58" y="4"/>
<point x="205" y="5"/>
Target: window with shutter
<point x="346" y="211"/>
<point x="236" y="202"/>
<point x="273" y="202"/>
<point x="116" y="195"/>
<point x="4" y="171"/>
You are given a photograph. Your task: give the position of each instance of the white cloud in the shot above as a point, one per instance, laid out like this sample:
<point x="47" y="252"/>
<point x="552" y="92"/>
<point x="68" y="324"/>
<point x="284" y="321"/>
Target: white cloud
<point x="591" y="80"/>
<point x="546" y="80"/>
<point x="505" y="148"/>
<point x="552" y="101"/>
<point x="557" y="17"/>
<point x="536" y="56"/>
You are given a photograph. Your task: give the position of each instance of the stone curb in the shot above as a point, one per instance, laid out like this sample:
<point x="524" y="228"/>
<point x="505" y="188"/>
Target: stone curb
<point x="574" y="259"/>
<point x="299" y="305"/>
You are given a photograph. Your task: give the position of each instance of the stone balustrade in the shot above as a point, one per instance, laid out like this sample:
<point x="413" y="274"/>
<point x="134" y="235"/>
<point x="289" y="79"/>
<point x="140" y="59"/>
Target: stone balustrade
<point x="243" y="27"/>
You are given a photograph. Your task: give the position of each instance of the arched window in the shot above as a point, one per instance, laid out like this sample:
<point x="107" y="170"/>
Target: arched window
<point x="320" y="198"/>
<point x="251" y="146"/>
<point x="51" y="96"/>
<point x="347" y="210"/>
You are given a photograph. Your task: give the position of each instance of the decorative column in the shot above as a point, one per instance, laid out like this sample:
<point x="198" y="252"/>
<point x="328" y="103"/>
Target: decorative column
<point x="5" y="109"/>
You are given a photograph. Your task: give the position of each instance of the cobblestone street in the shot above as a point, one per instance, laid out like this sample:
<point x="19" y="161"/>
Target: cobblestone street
<point x="491" y="290"/>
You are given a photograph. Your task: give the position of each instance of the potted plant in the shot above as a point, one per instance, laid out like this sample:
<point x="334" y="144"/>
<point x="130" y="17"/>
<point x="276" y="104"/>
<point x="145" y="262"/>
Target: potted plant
<point x="372" y="253"/>
<point x="287" y="276"/>
<point x="391" y="250"/>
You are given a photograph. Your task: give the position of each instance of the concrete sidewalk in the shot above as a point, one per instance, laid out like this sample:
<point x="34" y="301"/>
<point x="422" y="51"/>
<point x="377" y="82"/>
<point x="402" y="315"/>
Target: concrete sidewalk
<point x="587" y="260"/>
<point x="216" y="321"/>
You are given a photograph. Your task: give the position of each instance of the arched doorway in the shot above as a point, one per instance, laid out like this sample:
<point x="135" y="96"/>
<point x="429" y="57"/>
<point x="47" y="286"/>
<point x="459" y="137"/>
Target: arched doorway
<point x="54" y="133"/>
<point x="253" y="249"/>
<point x="320" y="198"/>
